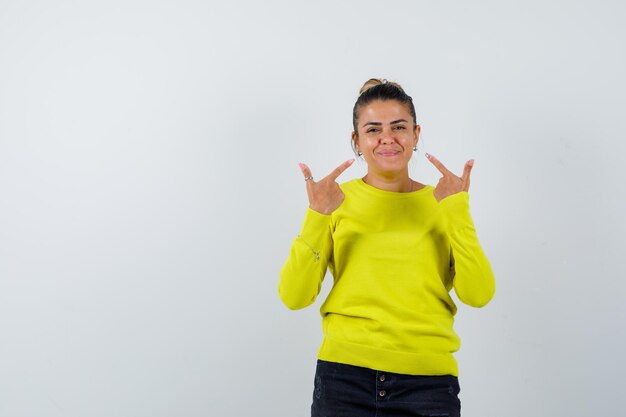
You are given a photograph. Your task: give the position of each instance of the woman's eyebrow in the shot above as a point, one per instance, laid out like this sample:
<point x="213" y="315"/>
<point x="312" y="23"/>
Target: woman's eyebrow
<point x="380" y="124"/>
<point x="373" y="124"/>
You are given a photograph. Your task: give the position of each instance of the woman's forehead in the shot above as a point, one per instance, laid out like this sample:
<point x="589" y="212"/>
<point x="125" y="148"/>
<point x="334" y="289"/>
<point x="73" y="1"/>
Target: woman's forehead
<point x="384" y="112"/>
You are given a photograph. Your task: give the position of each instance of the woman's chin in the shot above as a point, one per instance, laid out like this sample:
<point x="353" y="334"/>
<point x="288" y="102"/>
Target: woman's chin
<point x="390" y="166"/>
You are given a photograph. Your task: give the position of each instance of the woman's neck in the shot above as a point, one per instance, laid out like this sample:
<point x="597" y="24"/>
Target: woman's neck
<point x="397" y="183"/>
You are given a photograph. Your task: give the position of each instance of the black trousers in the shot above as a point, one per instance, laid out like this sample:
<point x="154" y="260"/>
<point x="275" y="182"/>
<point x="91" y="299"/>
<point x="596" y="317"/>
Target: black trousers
<point x="351" y="391"/>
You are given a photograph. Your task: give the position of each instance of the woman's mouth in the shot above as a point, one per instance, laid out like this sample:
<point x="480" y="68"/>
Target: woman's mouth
<point x="388" y="152"/>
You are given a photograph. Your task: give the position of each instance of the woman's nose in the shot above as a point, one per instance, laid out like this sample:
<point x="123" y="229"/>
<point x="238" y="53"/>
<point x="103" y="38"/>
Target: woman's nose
<point x="386" y="138"/>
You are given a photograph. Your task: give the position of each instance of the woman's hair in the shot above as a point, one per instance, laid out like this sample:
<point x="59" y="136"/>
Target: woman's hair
<point x="376" y="89"/>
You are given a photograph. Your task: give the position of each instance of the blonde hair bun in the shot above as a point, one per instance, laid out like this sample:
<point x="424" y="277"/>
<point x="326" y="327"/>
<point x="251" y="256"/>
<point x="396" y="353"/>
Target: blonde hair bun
<point x="372" y="82"/>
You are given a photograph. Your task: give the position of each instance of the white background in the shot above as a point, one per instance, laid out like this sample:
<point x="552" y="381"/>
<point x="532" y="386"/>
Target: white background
<point x="149" y="194"/>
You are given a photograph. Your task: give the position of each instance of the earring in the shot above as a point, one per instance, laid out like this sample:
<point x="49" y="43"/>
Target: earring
<point x="360" y="153"/>
<point x="415" y="149"/>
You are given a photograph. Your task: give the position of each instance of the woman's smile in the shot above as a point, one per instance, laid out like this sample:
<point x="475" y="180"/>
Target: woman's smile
<point x="388" y="152"/>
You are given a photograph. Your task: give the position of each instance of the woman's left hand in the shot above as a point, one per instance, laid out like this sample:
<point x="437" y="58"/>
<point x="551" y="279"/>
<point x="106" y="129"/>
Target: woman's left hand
<point x="450" y="184"/>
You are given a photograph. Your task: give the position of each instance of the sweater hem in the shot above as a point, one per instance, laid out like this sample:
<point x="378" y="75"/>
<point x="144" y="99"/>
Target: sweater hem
<point x="409" y="363"/>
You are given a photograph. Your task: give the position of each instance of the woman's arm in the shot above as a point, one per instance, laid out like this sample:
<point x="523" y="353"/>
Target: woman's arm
<point x="474" y="282"/>
<point x="302" y="274"/>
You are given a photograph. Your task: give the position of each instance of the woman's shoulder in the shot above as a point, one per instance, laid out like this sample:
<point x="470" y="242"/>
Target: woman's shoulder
<point x="353" y="183"/>
<point x="418" y="186"/>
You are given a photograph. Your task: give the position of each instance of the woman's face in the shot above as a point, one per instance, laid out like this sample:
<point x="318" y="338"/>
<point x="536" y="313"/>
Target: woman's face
<point x="386" y="136"/>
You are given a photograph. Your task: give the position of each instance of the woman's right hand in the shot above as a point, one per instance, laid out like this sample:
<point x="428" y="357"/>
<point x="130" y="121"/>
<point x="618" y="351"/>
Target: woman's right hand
<point x="325" y="195"/>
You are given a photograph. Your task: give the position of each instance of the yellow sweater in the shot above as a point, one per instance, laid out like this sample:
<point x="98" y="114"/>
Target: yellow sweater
<point x="394" y="258"/>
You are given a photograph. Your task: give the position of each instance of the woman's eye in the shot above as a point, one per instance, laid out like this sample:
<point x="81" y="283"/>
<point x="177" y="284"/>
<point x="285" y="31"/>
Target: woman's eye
<point x="400" y="127"/>
<point x="371" y="130"/>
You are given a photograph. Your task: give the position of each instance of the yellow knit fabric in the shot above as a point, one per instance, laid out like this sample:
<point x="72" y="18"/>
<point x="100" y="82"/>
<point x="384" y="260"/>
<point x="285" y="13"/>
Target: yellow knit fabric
<point x="394" y="258"/>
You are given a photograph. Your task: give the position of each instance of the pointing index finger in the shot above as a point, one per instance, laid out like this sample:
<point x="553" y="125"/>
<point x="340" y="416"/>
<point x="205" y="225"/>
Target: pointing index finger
<point x="339" y="170"/>
<point x="437" y="163"/>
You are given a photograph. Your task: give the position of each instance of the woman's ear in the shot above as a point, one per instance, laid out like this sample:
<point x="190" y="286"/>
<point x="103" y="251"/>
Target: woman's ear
<point x="355" y="141"/>
<point x="418" y="129"/>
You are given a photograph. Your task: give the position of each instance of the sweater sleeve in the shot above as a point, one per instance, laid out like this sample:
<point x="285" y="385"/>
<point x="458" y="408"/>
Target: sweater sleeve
<point x="474" y="282"/>
<point x="302" y="274"/>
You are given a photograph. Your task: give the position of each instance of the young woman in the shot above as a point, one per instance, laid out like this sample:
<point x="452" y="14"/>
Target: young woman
<point x="395" y="248"/>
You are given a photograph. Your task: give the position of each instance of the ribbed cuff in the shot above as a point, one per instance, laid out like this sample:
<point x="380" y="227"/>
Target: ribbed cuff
<point x="456" y="211"/>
